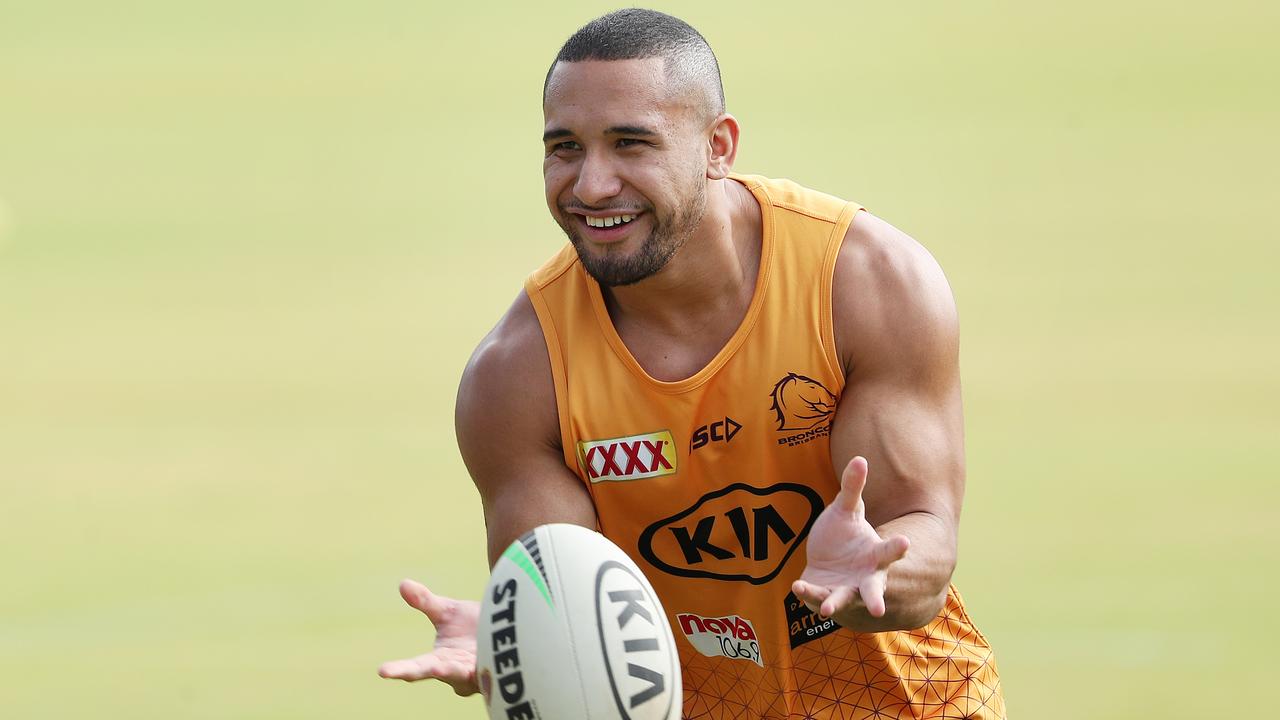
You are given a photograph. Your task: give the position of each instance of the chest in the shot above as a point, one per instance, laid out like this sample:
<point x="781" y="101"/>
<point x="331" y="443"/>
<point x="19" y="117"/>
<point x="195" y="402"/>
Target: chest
<point x="721" y="482"/>
<point x="671" y="358"/>
<point x="672" y="355"/>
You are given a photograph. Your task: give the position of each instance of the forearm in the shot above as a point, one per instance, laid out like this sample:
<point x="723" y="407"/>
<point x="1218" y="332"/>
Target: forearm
<point x="917" y="584"/>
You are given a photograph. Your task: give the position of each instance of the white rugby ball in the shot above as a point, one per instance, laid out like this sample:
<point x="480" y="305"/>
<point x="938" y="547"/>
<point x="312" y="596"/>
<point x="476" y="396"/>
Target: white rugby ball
<point x="570" y="629"/>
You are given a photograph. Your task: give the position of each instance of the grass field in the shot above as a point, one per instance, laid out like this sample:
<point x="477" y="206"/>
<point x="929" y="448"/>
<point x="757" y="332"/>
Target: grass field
<point x="250" y="245"/>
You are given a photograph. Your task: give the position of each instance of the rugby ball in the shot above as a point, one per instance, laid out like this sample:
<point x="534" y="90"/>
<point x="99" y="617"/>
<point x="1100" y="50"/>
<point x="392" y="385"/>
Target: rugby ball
<point x="570" y="629"/>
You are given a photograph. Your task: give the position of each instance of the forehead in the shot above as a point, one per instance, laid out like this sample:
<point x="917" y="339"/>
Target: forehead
<point x="600" y="93"/>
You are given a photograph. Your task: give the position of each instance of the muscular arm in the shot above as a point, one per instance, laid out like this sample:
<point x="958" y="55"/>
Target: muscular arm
<point x="509" y="434"/>
<point x="897" y="335"/>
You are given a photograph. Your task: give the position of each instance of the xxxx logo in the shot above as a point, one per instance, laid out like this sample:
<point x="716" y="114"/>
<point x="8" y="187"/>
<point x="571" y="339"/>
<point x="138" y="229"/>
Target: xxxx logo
<point x="628" y="458"/>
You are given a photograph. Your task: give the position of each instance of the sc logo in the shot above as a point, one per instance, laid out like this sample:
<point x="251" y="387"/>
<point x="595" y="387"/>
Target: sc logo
<point x="718" y="431"/>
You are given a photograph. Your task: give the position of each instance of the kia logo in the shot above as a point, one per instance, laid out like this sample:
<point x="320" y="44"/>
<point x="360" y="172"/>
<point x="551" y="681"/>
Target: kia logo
<point x="738" y="533"/>
<point x="628" y="617"/>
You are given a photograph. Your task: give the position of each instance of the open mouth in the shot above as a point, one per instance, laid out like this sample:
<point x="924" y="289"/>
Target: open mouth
<point x="606" y="222"/>
<point x="606" y="228"/>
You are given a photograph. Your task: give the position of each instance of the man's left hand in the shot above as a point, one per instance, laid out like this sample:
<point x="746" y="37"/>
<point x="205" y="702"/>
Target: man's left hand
<point x="847" y="558"/>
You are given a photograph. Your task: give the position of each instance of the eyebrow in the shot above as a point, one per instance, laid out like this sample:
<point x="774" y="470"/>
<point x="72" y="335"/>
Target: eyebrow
<point x="634" y="130"/>
<point x="630" y="130"/>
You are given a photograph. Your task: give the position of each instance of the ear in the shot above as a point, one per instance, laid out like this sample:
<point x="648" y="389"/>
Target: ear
<point x="722" y="146"/>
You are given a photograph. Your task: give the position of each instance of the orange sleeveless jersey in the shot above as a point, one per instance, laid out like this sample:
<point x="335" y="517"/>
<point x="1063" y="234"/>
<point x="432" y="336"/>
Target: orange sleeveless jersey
<point x="712" y="483"/>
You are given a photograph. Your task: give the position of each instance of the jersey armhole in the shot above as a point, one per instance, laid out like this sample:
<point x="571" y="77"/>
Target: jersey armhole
<point x="558" y="376"/>
<point x="827" y="289"/>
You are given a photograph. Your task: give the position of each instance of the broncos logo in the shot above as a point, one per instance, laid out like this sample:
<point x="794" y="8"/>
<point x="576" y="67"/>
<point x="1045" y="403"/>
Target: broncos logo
<point x="802" y="403"/>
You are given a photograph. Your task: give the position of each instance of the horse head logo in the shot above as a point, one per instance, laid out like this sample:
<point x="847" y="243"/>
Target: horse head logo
<point x="802" y="403"/>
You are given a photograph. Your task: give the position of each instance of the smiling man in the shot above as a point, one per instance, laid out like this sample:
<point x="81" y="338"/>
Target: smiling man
<point x="749" y="386"/>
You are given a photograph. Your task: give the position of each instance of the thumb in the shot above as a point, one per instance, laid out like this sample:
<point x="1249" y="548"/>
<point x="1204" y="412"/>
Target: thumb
<point x="423" y="600"/>
<point x="852" y="481"/>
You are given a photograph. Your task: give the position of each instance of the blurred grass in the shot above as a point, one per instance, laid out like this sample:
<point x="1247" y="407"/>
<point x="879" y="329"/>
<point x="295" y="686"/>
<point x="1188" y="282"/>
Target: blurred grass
<point x="250" y="246"/>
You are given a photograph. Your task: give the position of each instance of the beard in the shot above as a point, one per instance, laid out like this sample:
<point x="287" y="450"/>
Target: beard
<point x="668" y="235"/>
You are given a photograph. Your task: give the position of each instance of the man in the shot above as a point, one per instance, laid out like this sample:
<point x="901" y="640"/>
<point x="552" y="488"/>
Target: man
<point x="706" y="374"/>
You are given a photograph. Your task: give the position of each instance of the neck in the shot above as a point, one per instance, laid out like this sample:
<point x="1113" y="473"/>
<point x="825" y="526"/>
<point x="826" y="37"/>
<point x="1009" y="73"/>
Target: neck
<point x="713" y="273"/>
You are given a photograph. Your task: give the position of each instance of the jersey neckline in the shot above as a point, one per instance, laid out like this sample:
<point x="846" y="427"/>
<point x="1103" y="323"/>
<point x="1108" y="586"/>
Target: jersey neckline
<point x="735" y="341"/>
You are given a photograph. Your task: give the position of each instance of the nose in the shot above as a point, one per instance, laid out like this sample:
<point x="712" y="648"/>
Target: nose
<point x="597" y="180"/>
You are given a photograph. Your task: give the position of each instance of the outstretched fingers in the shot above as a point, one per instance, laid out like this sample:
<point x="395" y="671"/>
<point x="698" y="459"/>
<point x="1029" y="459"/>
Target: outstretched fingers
<point x="824" y="600"/>
<point x="410" y="669"/>
<point x="840" y="597"/>
<point x="872" y="589"/>
<point x="891" y="550"/>
<point x="872" y="592"/>
<point x="455" y="670"/>
<point x="811" y="595"/>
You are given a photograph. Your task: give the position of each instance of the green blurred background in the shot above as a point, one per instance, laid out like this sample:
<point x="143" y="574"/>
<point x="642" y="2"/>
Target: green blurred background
<point x="248" y="246"/>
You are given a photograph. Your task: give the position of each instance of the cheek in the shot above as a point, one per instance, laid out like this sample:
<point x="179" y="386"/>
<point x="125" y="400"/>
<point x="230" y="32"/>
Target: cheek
<point x="557" y="177"/>
<point x="678" y="167"/>
<point x="675" y="186"/>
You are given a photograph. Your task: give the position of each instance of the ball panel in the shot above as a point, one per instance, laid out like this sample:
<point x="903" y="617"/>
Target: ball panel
<point x="639" y="658"/>
<point x="518" y="632"/>
<point x="592" y="639"/>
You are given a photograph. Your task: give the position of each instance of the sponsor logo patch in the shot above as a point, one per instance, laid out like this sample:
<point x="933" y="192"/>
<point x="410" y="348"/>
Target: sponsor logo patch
<point x="731" y="636"/>
<point x="804" y="625"/>
<point x="737" y="533"/>
<point x="718" y="431"/>
<point x="803" y="408"/>
<point x="628" y="458"/>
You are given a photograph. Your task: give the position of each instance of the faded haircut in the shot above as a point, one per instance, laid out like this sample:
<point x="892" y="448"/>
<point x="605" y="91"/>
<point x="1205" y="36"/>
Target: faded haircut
<point x="637" y="33"/>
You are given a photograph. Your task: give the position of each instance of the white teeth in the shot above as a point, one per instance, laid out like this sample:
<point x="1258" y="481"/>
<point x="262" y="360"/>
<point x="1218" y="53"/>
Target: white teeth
<point x="609" y="221"/>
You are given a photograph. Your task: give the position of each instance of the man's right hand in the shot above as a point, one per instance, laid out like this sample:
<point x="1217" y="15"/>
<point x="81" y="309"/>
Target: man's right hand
<point x="453" y="659"/>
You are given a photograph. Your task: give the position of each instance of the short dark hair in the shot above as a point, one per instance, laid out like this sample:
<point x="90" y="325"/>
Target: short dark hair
<point x="637" y="33"/>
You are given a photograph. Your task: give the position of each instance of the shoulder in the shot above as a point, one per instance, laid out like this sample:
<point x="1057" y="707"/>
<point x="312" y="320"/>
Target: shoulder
<point x="891" y="303"/>
<point x="509" y="434"/>
<point x="507" y="388"/>
<point x="785" y="194"/>
<point x="506" y="347"/>
<point x="554" y="268"/>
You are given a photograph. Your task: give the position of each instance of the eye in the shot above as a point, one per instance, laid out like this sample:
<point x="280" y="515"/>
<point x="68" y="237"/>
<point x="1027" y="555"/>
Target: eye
<point x="630" y="142"/>
<point x="563" y="147"/>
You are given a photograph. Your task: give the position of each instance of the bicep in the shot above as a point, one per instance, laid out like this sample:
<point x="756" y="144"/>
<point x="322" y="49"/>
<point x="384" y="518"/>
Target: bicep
<point x="896" y="323"/>
<point x="508" y="434"/>
<point x="913" y="441"/>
